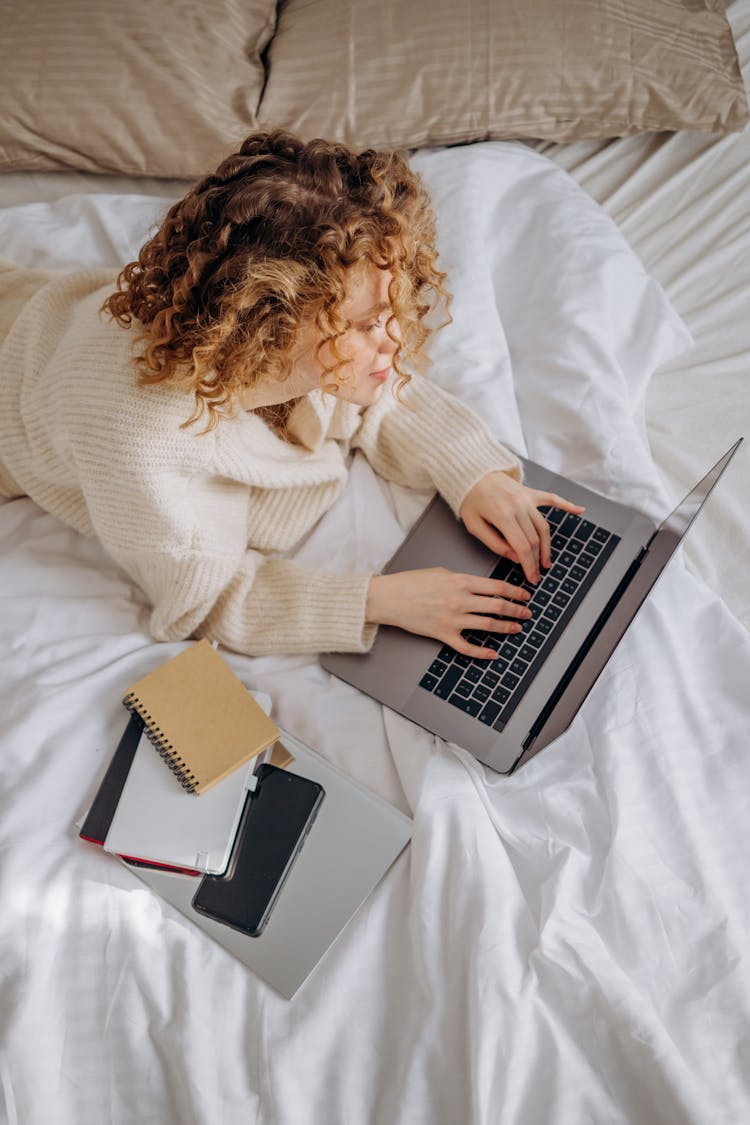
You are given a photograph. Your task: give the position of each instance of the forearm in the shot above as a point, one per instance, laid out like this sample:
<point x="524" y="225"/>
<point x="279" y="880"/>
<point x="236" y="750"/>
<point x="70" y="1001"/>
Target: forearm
<point x="252" y="604"/>
<point x="283" y="608"/>
<point x="431" y="440"/>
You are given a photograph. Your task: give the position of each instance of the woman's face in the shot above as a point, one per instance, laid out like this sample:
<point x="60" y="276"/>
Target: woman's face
<point x="366" y="343"/>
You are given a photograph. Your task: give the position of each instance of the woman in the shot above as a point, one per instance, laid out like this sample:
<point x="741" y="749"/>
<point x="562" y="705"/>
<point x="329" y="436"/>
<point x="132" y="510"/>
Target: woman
<point x="198" y="419"/>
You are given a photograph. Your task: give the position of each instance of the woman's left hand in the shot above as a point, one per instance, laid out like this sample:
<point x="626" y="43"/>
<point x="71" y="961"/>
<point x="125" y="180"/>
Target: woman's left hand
<point x="505" y="516"/>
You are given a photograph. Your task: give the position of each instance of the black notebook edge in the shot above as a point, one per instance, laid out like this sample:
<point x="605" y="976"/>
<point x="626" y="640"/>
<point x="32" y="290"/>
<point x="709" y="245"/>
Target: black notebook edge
<point x="98" y="819"/>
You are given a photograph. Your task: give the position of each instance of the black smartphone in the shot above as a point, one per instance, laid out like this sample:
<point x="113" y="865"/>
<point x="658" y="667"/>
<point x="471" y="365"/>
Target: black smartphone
<point x="276" y="818"/>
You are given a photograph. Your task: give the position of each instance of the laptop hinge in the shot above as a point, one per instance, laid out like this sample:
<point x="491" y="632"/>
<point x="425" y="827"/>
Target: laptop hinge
<point x="580" y="656"/>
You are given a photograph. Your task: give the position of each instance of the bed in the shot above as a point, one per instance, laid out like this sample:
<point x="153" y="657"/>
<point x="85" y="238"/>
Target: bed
<point x="564" y="945"/>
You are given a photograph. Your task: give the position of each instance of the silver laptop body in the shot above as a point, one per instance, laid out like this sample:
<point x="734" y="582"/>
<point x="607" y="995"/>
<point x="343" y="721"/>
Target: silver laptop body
<point x="557" y="683"/>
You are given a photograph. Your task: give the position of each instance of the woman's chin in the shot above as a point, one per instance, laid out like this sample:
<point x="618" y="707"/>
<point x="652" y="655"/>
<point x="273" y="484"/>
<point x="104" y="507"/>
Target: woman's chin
<point x="361" y="396"/>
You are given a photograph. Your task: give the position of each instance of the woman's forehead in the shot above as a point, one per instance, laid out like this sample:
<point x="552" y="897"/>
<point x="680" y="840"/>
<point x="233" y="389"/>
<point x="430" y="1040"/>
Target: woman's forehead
<point x="366" y="291"/>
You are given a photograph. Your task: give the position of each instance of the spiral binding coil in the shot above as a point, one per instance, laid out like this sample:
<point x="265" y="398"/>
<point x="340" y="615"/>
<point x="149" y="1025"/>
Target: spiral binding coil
<point x="163" y="746"/>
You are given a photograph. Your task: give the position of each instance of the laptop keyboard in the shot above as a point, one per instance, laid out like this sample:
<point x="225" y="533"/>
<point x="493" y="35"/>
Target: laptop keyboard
<point x="490" y="690"/>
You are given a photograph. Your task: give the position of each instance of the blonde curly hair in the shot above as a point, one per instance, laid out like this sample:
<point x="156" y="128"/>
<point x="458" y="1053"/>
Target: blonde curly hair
<point x="262" y="247"/>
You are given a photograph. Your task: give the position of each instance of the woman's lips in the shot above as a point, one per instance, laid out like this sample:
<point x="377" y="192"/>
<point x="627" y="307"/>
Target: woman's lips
<point x="380" y="376"/>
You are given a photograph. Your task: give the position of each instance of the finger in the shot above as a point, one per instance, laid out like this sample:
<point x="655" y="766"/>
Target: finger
<point x="466" y="648"/>
<point x="518" y="539"/>
<point x="496" y="588"/>
<point x="531" y="531"/>
<point x="542" y="528"/>
<point x="501" y="607"/>
<point x="478" y="621"/>
<point x="559" y="502"/>
<point x="489" y="535"/>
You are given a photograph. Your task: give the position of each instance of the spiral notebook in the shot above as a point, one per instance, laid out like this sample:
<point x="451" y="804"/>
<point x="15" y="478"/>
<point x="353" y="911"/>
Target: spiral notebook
<point x="140" y="814"/>
<point x="200" y="717"/>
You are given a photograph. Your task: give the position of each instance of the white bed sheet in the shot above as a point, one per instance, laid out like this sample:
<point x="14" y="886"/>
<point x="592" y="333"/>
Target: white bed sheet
<point x="567" y="945"/>
<point x="683" y="203"/>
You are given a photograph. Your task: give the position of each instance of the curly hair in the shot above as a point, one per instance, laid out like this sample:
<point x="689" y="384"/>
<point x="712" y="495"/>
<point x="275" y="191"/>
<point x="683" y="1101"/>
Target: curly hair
<point x="262" y="247"/>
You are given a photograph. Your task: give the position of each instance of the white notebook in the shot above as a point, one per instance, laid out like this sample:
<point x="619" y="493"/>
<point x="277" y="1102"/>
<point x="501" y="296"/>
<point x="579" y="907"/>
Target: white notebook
<point x="157" y="821"/>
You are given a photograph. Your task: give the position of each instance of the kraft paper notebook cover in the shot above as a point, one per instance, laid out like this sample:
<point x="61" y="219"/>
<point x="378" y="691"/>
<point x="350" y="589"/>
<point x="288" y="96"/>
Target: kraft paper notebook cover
<point x="200" y="717"/>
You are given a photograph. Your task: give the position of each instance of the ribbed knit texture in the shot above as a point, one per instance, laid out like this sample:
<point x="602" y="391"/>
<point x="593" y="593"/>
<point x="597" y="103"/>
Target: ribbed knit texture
<point x="196" y="519"/>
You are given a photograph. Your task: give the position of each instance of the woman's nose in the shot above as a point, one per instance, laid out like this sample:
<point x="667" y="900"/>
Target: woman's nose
<point x="387" y="345"/>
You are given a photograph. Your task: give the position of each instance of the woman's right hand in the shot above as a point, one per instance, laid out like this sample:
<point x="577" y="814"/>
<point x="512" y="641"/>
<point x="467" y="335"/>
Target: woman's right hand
<point x="440" y="603"/>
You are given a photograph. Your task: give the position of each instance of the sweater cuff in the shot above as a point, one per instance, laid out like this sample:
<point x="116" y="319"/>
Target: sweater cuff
<point x="476" y="455"/>
<point x="294" y="610"/>
<point x="333" y="614"/>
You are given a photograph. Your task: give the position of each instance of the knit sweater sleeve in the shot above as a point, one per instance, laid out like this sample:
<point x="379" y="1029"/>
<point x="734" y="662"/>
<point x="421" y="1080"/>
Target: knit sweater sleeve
<point x="430" y="440"/>
<point x="182" y="535"/>
<point x="252" y="604"/>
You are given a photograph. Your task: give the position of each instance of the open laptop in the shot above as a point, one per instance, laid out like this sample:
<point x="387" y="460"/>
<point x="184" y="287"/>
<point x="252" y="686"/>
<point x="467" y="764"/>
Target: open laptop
<point x="604" y="563"/>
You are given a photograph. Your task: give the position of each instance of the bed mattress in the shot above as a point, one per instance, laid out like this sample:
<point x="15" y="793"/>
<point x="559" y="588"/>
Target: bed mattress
<point x="567" y="945"/>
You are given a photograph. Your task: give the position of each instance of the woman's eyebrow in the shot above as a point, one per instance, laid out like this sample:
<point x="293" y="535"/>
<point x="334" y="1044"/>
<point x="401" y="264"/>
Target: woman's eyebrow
<point x="381" y="307"/>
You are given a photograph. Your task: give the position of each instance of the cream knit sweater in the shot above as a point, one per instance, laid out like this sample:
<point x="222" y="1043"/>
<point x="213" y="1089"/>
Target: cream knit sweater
<point x="197" y="519"/>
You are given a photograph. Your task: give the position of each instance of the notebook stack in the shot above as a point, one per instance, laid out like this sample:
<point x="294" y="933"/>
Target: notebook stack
<point x="174" y="793"/>
<point x="196" y="801"/>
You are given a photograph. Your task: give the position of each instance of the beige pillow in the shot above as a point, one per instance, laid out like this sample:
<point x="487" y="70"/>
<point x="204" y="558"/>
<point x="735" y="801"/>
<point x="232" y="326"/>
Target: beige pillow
<point x="407" y="73"/>
<point x="135" y="86"/>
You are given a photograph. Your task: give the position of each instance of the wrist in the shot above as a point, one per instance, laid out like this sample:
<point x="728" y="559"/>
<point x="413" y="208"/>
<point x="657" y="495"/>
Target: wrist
<point x="374" y="604"/>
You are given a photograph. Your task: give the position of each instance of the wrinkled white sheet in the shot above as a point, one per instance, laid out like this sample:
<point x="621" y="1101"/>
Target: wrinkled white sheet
<point x="683" y="202"/>
<point x="566" y="945"/>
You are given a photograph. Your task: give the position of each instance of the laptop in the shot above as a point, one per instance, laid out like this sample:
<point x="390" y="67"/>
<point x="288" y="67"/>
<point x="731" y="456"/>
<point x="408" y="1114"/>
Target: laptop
<point x="504" y="711"/>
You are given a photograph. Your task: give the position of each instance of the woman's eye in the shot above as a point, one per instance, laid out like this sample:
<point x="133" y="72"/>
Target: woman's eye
<point x="371" y="327"/>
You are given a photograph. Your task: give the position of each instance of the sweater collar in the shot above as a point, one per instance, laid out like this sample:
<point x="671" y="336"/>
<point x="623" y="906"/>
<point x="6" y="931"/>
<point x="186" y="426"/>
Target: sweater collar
<point x="310" y="419"/>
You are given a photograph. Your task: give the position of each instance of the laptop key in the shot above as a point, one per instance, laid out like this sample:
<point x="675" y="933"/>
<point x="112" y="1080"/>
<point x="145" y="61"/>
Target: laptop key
<point x="558" y="571"/>
<point x="556" y="516"/>
<point x="558" y="542"/>
<point x="470" y="706"/>
<point x="566" y="559"/>
<point x="577" y="573"/>
<point x="489" y="713"/>
<point x="437" y="668"/>
<point x="561" y="599"/>
<point x="542" y="597"/>
<point x="473" y="674"/>
<point x="574" y="546"/>
<point x="569" y="586"/>
<point x="481" y="692"/>
<point x="446" y="654"/>
<point x="584" y="530"/>
<point x="428" y="682"/>
<point x="464" y="688"/>
<point x="490" y="678"/>
<point x="448" y="682"/>
<point x="540" y="635"/>
<point x="601" y="535"/>
<point x="570" y="524"/>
